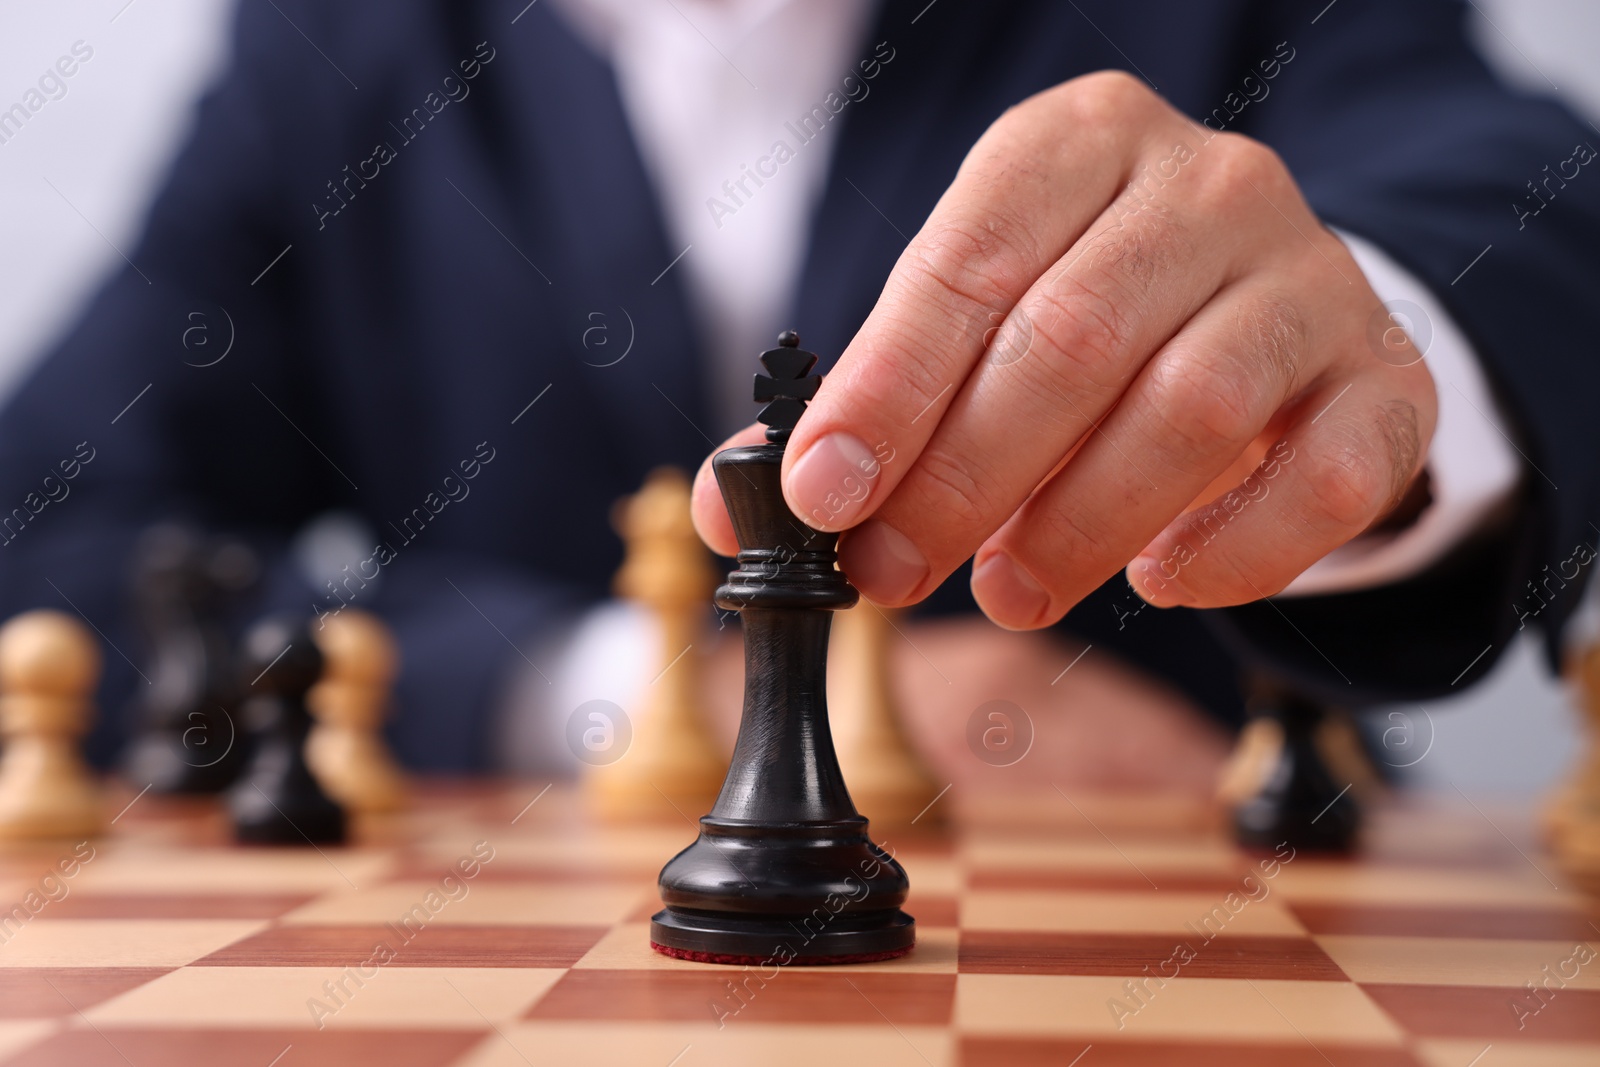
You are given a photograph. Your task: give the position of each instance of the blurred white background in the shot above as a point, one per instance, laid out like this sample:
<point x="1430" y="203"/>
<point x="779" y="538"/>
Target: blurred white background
<point x="75" y="180"/>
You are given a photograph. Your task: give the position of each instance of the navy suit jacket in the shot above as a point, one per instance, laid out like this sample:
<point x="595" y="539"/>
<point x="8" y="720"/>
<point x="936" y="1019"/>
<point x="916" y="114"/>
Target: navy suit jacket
<point x="404" y="267"/>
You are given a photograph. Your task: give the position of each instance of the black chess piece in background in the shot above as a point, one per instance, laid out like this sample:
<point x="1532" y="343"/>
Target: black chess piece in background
<point x="783" y="870"/>
<point x="277" y="801"/>
<point x="184" y="584"/>
<point x="1299" y="800"/>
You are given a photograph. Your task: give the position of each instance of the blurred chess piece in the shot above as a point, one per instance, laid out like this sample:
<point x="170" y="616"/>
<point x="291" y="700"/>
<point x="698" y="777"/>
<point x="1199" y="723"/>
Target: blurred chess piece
<point x="1294" y="774"/>
<point x="48" y="668"/>
<point x="346" y="750"/>
<point x="277" y="801"/>
<point x="184" y="584"/>
<point x="887" y="779"/>
<point x="1571" y="820"/>
<point x="672" y="766"/>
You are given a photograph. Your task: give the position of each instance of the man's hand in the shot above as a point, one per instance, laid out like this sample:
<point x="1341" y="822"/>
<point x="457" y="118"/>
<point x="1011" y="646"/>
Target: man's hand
<point x="1119" y="337"/>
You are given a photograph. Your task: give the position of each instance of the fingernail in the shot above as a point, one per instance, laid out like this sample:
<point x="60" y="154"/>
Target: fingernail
<point x="828" y="486"/>
<point x="882" y="563"/>
<point x="1009" y="595"/>
<point x="1151" y="585"/>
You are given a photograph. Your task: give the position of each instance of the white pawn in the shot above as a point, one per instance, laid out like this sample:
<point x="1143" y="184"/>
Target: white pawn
<point x="673" y="767"/>
<point x="887" y="778"/>
<point x="345" y="750"/>
<point x="48" y="668"/>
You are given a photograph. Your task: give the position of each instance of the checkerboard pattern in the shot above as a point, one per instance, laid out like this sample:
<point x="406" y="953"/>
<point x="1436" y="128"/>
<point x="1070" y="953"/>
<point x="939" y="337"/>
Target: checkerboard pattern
<point x="477" y="930"/>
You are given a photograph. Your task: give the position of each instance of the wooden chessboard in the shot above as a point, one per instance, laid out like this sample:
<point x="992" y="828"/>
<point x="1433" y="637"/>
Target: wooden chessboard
<point x="171" y="947"/>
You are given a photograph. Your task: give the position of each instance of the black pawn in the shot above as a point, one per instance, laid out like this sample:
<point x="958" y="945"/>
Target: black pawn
<point x="1301" y="803"/>
<point x="783" y="870"/>
<point x="184" y="583"/>
<point x="278" y="802"/>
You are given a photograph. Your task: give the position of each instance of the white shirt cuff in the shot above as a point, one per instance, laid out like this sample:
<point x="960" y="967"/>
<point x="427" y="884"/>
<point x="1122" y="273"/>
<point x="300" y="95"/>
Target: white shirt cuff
<point x="1472" y="463"/>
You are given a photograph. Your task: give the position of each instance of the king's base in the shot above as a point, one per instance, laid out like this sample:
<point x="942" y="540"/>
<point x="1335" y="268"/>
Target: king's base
<point x="756" y="940"/>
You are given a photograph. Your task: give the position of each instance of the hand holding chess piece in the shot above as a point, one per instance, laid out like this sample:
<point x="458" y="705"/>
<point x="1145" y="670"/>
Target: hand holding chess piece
<point x="48" y="669"/>
<point x="346" y="751"/>
<point x="673" y="767"/>
<point x="277" y="801"/>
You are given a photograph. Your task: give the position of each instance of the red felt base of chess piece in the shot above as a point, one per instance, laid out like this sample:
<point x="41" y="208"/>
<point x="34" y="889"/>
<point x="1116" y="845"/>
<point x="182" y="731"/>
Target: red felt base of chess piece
<point x="757" y="961"/>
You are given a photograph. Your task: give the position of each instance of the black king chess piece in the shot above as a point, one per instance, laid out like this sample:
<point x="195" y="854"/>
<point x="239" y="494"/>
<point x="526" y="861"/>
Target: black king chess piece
<point x="1299" y="801"/>
<point x="783" y="870"/>
<point x="277" y="801"/>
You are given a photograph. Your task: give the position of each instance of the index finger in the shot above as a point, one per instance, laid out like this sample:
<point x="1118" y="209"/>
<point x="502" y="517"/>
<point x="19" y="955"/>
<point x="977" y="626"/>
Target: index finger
<point x="995" y="231"/>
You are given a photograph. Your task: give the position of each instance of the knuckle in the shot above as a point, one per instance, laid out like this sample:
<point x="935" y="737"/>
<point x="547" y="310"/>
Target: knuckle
<point x="1062" y="531"/>
<point x="1272" y="334"/>
<point x="970" y="263"/>
<point x="1137" y="255"/>
<point x="1106" y="97"/>
<point x="1397" y="425"/>
<point x="948" y="485"/>
<point x="1240" y="163"/>
<point x="1204" y="406"/>
<point x="1088" y="332"/>
<point x="1348" y="487"/>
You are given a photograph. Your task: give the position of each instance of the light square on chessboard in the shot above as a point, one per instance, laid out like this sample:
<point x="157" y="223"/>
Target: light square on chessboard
<point x="1052" y="814"/>
<point x="492" y="903"/>
<point x="1342" y="881"/>
<point x="129" y="865"/>
<point x="148" y="1046"/>
<point x="1456" y="961"/>
<point x="1220" y="1009"/>
<point x="1508" y="1054"/>
<point x="1127" y="913"/>
<point x="394" y="997"/>
<point x="623" y="851"/>
<point x="120" y="942"/>
<point x="627" y="947"/>
<point x="17" y="1034"/>
<point x="1189" y="857"/>
<point x="738" y="1044"/>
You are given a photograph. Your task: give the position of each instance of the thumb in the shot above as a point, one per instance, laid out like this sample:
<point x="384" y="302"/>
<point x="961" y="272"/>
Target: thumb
<point x="705" y="500"/>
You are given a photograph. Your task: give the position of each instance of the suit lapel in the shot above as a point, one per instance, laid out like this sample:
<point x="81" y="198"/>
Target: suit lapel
<point x="582" y="191"/>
